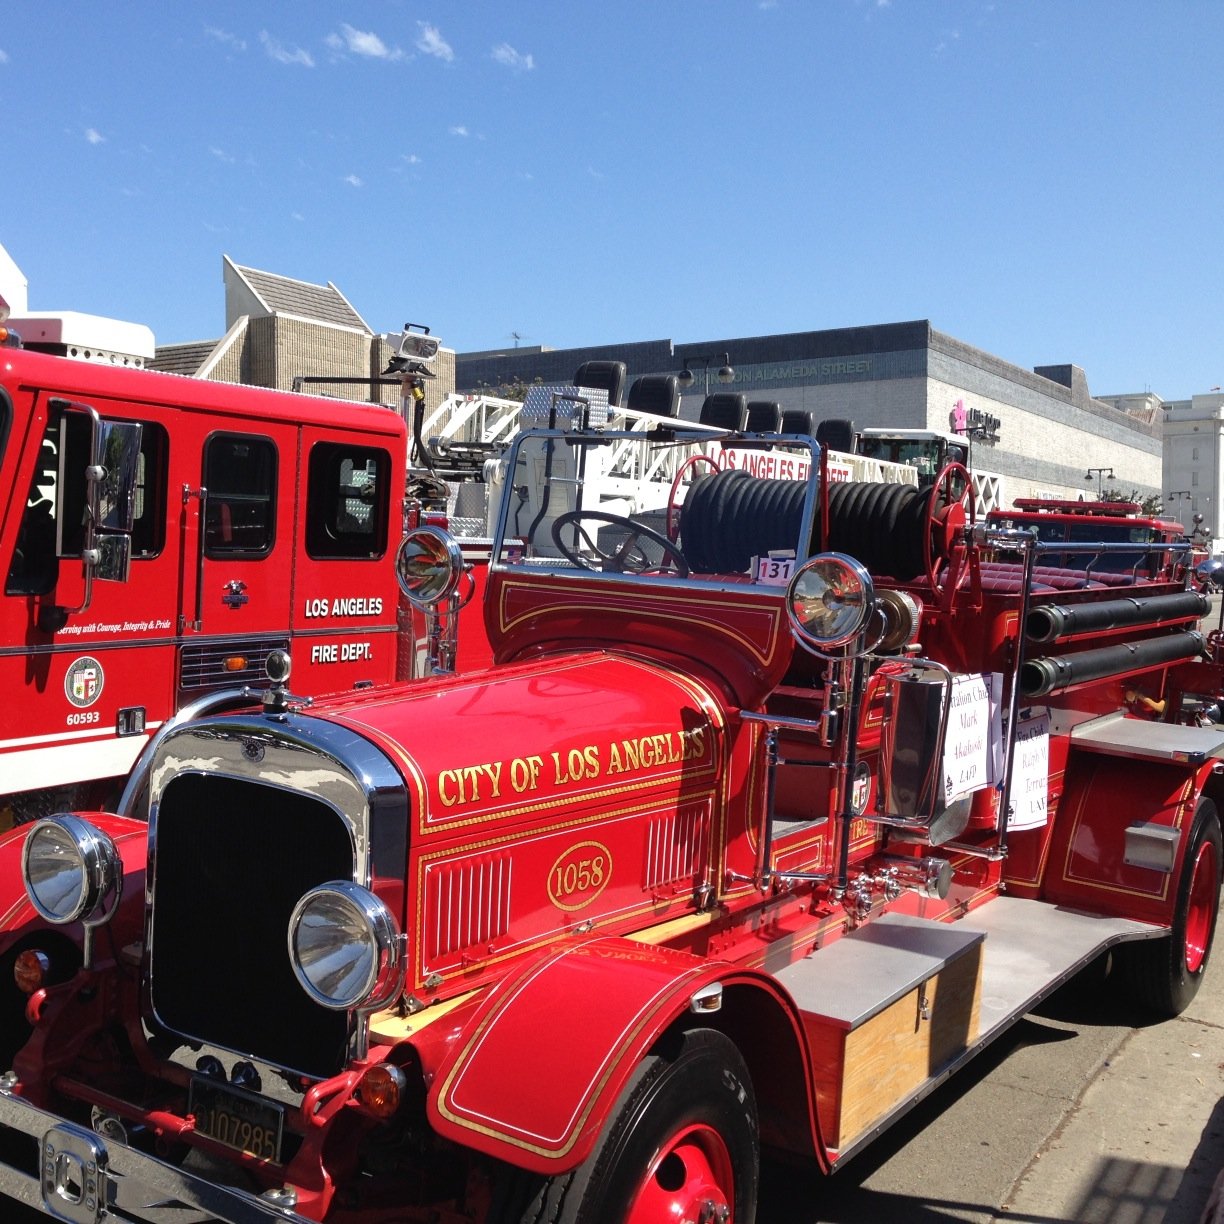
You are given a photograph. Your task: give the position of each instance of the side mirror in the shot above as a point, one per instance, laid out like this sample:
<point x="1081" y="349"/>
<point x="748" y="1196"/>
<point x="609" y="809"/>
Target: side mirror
<point x="117" y="454"/>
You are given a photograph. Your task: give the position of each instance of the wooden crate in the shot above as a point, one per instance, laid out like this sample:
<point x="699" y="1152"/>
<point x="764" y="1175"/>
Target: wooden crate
<point x="885" y="1008"/>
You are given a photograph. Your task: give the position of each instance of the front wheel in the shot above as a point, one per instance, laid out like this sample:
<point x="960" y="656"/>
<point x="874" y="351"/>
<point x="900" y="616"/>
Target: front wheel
<point x="1164" y="974"/>
<point x="682" y="1144"/>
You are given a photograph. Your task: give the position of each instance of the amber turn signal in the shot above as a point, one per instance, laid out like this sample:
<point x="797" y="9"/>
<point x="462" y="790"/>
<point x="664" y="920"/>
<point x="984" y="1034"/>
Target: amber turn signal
<point x="233" y="663"/>
<point x="381" y="1090"/>
<point x="31" y="970"/>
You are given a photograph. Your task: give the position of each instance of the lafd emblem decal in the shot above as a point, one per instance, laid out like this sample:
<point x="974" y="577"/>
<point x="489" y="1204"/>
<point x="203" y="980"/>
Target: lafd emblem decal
<point x="83" y="683"/>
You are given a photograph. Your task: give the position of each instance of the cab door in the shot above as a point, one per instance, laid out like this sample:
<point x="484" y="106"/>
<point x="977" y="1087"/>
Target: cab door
<point x="345" y="603"/>
<point x="238" y="528"/>
<point x="88" y="666"/>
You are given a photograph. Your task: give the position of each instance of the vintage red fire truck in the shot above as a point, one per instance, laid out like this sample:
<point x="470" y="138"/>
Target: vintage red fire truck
<point x="1082" y="522"/>
<point x="754" y="836"/>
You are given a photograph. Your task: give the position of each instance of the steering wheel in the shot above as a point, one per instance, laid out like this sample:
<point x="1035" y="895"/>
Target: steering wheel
<point x="946" y="514"/>
<point x="626" y="557"/>
<point x="673" y="518"/>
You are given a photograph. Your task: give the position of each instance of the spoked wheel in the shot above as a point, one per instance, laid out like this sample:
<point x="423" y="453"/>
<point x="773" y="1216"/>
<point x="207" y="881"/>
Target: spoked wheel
<point x="673" y="506"/>
<point x="682" y="1144"/>
<point x="1164" y="974"/>
<point x="626" y="554"/>
<point x="949" y="507"/>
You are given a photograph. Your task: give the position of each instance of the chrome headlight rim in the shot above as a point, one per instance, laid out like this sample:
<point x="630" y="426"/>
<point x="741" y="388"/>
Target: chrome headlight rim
<point x="381" y="944"/>
<point x="428" y="566"/>
<point x="842" y="586"/>
<point x="98" y="869"/>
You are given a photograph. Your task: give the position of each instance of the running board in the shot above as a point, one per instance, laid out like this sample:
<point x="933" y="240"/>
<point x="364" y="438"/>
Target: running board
<point x="894" y="1008"/>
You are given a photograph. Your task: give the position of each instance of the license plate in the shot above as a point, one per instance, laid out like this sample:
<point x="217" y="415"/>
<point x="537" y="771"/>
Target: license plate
<point x="239" y="1120"/>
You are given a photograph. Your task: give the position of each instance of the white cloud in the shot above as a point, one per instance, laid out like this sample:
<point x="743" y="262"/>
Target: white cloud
<point x="504" y="53"/>
<point x="224" y="36"/>
<point x="296" y="216"/>
<point x="94" y="136"/>
<point x="362" y="42"/>
<point x="3" y="56"/>
<point x="432" y="42"/>
<point x="221" y="155"/>
<point x="458" y="130"/>
<point x="410" y="158"/>
<point x="353" y="181"/>
<point x="285" y="55"/>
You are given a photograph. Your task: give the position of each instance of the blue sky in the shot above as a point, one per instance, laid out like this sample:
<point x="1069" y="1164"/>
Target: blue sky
<point x="1041" y="180"/>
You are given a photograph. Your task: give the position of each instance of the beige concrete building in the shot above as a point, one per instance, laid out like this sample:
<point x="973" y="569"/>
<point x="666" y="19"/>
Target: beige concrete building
<point x="280" y="330"/>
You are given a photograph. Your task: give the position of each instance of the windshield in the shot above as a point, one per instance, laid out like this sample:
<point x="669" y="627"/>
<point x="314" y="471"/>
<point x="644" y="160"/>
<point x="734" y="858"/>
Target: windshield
<point x="674" y="506"/>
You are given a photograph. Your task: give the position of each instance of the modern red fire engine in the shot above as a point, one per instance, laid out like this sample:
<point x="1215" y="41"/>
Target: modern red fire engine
<point x="763" y="827"/>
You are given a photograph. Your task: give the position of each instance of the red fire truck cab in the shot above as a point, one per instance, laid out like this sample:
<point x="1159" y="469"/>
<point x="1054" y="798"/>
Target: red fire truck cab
<point x="786" y="798"/>
<point x="159" y="536"/>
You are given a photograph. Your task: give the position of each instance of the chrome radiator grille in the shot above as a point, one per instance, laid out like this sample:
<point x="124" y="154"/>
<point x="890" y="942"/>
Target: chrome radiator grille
<point x="231" y="859"/>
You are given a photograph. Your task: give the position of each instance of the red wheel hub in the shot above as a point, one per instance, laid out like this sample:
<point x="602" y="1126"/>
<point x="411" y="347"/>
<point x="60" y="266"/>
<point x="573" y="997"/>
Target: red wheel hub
<point x="691" y="1181"/>
<point x="1200" y="906"/>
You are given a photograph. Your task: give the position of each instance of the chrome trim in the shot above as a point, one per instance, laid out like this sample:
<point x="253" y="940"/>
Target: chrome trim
<point x="208" y="704"/>
<point x="385" y="975"/>
<point x="139" y="1185"/>
<point x="305" y="755"/>
<point x="99" y="866"/>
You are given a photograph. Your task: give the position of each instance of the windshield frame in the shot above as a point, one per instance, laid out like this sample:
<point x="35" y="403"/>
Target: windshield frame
<point x="802" y="446"/>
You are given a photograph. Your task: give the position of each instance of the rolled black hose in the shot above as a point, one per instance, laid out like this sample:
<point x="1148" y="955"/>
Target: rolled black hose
<point x="731" y="517"/>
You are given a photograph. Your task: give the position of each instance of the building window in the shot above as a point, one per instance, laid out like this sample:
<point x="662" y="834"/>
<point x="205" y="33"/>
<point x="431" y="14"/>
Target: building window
<point x="1194" y="454"/>
<point x="1193" y="478"/>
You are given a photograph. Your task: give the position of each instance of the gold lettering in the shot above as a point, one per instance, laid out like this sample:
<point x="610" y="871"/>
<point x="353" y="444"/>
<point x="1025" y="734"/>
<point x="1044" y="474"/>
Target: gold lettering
<point x="590" y="754"/>
<point x="615" y="764"/>
<point x="493" y="772"/>
<point x="445" y="776"/>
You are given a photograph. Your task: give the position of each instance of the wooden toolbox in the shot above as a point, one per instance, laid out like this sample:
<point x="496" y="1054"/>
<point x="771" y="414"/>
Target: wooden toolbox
<point x="886" y="1008"/>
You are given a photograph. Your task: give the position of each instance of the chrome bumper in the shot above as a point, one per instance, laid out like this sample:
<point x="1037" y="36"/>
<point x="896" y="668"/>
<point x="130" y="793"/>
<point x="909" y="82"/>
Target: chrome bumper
<point x="84" y="1177"/>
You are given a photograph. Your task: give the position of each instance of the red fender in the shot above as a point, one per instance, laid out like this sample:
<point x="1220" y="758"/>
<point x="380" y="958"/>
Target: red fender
<point x="547" y="1053"/>
<point x="21" y="925"/>
<point x="1086" y="866"/>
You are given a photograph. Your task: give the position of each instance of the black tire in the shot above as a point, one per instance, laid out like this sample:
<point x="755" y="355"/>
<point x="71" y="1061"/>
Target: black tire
<point x="1163" y="975"/>
<point x="680" y="1120"/>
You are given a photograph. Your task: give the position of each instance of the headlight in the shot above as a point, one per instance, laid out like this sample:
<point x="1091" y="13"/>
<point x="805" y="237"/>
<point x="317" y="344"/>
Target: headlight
<point x="344" y="947"/>
<point x="429" y="565"/>
<point x="71" y="871"/>
<point x="829" y="601"/>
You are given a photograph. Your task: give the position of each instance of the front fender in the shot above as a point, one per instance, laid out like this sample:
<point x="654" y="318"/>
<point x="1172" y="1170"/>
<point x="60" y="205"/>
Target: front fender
<point x="581" y="1019"/>
<point x="21" y="926"/>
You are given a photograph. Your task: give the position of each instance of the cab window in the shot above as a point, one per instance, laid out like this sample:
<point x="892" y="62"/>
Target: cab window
<point x="347" y="498"/>
<point x="240" y="476"/>
<point x="35" y="565"/>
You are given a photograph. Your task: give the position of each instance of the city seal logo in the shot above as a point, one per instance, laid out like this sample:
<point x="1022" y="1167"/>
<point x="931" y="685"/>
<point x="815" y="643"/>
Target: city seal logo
<point x="83" y="683"/>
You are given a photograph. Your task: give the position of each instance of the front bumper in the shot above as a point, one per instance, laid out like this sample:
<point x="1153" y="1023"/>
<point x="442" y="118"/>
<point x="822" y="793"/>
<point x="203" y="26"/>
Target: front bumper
<point x="83" y="1178"/>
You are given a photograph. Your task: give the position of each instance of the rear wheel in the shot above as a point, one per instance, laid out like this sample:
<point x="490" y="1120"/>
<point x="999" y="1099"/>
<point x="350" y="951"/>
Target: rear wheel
<point x="1164" y="974"/>
<point x="682" y="1145"/>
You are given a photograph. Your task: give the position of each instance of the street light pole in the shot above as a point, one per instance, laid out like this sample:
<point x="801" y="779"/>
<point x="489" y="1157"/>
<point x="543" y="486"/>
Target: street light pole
<point x="1101" y="474"/>
<point x="724" y="374"/>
